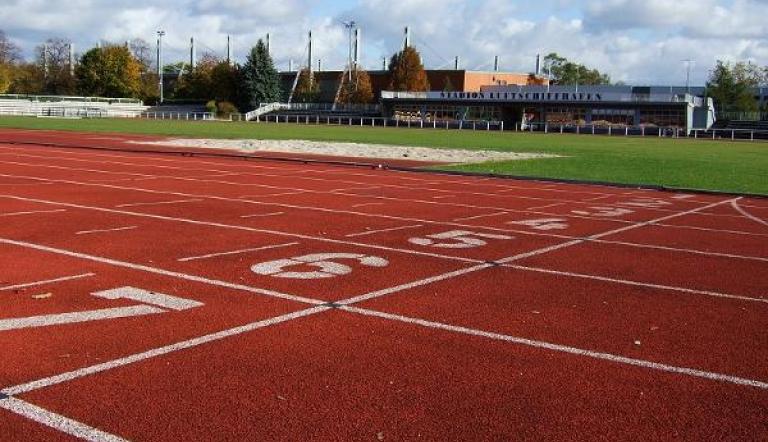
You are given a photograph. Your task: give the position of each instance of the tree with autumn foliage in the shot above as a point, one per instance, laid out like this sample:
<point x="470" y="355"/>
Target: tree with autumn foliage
<point x="110" y="71"/>
<point x="408" y="72"/>
<point x="307" y="88"/>
<point x="358" y="90"/>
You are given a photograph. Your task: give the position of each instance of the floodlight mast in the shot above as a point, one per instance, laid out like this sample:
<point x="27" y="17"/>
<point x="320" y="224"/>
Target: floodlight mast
<point x="160" y="34"/>
<point x="351" y="26"/>
<point x="688" y="62"/>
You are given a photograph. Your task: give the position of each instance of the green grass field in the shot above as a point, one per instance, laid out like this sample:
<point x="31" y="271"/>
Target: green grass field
<point x="696" y="164"/>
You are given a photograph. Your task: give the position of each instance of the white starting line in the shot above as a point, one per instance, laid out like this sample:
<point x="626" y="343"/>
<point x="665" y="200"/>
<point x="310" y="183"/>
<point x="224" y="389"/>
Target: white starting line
<point x="155" y="203"/>
<point x="32" y="212"/>
<point x="259" y="215"/>
<point x="236" y="252"/>
<point x="47" y="281"/>
<point x="116" y="229"/>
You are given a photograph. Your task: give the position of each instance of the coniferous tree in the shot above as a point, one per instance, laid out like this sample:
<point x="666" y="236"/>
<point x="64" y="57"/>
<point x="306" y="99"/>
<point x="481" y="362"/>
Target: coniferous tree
<point x="408" y="72"/>
<point x="259" y="81"/>
<point x="731" y="86"/>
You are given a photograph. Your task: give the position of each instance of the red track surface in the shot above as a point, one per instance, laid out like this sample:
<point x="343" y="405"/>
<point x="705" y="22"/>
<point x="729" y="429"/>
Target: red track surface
<point x="558" y="312"/>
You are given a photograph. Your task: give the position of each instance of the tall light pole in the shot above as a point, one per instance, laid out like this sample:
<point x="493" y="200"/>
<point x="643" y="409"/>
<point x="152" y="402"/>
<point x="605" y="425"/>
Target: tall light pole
<point x="688" y="62"/>
<point x="160" y="61"/>
<point x="350" y="25"/>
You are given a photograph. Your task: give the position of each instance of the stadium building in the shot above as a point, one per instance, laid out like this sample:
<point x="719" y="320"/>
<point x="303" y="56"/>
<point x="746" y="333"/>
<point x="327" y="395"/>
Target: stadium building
<point x="622" y="106"/>
<point x="439" y="80"/>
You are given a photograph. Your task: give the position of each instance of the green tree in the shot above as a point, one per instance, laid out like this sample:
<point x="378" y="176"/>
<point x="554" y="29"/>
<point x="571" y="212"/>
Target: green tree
<point x="731" y="86"/>
<point x="110" y="71"/>
<point x="196" y="83"/>
<point x="258" y="80"/>
<point x="307" y="88"/>
<point x="224" y="82"/>
<point x="408" y="72"/>
<point x="357" y="91"/>
<point x="27" y="78"/>
<point x="565" y="72"/>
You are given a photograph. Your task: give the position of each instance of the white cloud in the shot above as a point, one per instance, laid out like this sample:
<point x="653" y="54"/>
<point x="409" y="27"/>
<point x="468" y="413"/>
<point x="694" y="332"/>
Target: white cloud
<point x="637" y="42"/>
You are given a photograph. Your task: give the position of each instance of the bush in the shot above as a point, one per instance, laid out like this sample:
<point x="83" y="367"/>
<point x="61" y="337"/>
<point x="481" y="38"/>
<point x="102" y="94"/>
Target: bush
<point x="210" y="106"/>
<point x="225" y="108"/>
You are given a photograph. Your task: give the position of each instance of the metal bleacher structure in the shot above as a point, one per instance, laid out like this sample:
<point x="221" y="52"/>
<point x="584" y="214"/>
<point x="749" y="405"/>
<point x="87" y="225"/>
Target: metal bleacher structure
<point x="70" y="106"/>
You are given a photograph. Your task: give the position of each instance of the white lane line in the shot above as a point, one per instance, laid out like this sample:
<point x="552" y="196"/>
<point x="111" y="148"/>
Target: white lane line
<point x="257" y="215"/>
<point x="636" y="283"/>
<point x="244" y="228"/>
<point x="57" y="421"/>
<point x="510" y="259"/>
<point x="155" y="203"/>
<point x="157" y="271"/>
<point x="747" y="214"/>
<point x="270" y="195"/>
<point x="77" y="317"/>
<point x="413" y="284"/>
<point x="47" y="281"/>
<point x="32" y="212"/>
<point x="391" y="229"/>
<point x="138" y="357"/>
<point x="566" y="349"/>
<point x="117" y="180"/>
<point x="236" y="252"/>
<point x="547" y="206"/>
<point x="683" y="250"/>
<point x="487" y="215"/>
<point x="366" y="204"/>
<point x="628" y="225"/>
<point x="116" y="229"/>
<point x="610" y="232"/>
<point x="708" y="229"/>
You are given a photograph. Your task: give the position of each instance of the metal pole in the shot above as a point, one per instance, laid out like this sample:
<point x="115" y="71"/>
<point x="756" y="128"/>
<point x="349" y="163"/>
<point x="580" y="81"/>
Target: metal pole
<point x="160" y="62"/>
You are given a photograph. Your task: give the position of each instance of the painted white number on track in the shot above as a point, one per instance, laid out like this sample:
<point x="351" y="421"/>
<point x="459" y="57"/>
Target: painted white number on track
<point x="325" y="262"/>
<point x="149" y="304"/>
<point x="603" y="211"/>
<point x="457" y="239"/>
<point x="542" y="223"/>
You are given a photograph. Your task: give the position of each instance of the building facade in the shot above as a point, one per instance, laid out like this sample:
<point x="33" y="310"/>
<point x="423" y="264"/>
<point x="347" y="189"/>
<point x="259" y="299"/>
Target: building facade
<point x="616" y="106"/>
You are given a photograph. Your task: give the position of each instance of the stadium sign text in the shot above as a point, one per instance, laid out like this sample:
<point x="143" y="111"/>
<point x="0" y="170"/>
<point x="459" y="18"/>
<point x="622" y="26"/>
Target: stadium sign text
<point x="522" y="96"/>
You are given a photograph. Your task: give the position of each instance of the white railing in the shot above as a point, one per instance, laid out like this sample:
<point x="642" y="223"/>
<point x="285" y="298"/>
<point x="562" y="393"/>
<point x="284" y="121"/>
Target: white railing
<point x="264" y="108"/>
<point x="186" y="116"/>
<point x="58" y="98"/>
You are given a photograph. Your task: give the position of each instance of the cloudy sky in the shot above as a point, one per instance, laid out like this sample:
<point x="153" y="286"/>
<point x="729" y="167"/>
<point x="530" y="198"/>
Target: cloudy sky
<point x="638" y="42"/>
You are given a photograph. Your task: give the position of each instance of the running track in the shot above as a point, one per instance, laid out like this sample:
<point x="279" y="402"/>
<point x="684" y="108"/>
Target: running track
<point x="149" y="296"/>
